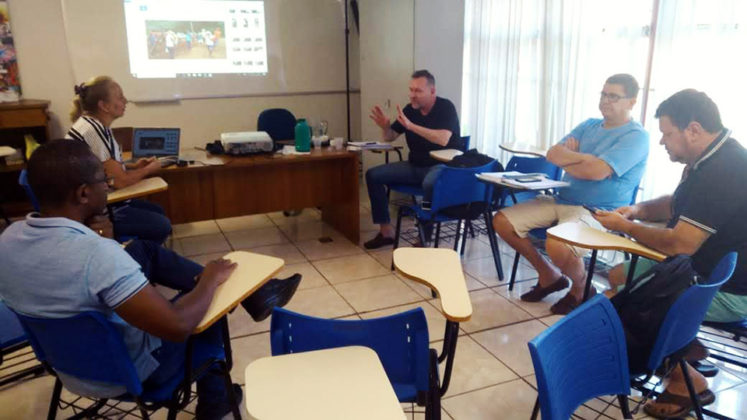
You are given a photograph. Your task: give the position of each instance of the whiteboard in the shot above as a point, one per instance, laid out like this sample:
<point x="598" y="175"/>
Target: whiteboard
<point x="306" y="52"/>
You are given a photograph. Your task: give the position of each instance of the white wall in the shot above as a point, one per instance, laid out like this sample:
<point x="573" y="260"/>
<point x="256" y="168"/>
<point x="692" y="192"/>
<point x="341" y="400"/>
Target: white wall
<point x="46" y="73"/>
<point x="439" y="39"/>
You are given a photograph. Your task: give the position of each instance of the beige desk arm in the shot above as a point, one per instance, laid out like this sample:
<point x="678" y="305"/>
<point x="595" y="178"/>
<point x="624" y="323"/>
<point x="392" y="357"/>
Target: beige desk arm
<point x="441" y="270"/>
<point x="523" y="149"/>
<point x="252" y="271"/>
<point x="445" y="155"/>
<point x="142" y="188"/>
<point x="583" y="236"/>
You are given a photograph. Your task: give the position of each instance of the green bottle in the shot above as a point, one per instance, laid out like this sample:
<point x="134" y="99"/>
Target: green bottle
<point x="303" y="136"/>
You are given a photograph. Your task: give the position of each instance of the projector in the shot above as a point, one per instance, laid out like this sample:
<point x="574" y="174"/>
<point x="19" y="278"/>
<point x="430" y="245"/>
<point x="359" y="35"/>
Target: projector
<point x="247" y="142"/>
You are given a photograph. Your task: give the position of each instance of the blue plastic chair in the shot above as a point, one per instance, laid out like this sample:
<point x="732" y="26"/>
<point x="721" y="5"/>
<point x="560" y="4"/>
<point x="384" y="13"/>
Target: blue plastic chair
<point x="23" y="181"/>
<point x="279" y="123"/>
<point x="682" y="322"/>
<point x="13" y="339"/>
<point x="87" y="346"/>
<point x="417" y="190"/>
<point x="400" y="341"/>
<point x="457" y="196"/>
<point x="580" y="357"/>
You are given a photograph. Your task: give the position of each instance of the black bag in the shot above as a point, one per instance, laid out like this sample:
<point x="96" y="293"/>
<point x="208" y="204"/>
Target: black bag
<point x="472" y="159"/>
<point x="643" y="306"/>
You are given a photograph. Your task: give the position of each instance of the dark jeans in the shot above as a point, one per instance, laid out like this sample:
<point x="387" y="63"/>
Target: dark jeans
<point x="165" y="267"/>
<point x="142" y="220"/>
<point x="378" y="177"/>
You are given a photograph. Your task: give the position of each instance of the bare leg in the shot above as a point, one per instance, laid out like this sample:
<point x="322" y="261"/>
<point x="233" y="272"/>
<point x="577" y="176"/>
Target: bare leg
<point x="617" y="278"/>
<point x="571" y="265"/>
<point x="387" y="230"/>
<point x="546" y="271"/>
<point x="676" y="385"/>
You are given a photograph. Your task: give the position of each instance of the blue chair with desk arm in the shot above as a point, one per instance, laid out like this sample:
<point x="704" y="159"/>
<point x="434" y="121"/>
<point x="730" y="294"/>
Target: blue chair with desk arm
<point x="400" y="341"/>
<point x="417" y="190"/>
<point x="680" y="327"/>
<point x="89" y="347"/>
<point x="12" y="340"/>
<point x="23" y="181"/>
<point x="580" y="357"/>
<point x="457" y="196"/>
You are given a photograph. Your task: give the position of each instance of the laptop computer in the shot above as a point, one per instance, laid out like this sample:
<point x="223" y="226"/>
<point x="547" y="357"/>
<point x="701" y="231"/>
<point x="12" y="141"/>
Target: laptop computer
<point x="162" y="143"/>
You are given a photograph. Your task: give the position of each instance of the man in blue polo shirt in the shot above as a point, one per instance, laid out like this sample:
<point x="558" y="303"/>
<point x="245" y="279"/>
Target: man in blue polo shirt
<point x="705" y="220"/>
<point x="603" y="160"/>
<point x="61" y="262"/>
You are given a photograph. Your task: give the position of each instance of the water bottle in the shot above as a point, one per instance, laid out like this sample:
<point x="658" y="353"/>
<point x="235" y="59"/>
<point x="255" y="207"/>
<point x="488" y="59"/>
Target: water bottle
<point x="303" y="136"/>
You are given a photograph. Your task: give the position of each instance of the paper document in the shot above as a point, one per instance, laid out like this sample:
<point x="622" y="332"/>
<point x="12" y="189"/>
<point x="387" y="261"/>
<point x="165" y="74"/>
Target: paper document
<point x="522" y="181"/>
<point x="369" y="145"/>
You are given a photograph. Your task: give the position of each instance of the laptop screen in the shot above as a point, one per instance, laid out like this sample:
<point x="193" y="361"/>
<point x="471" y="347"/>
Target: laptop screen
<point x="155" y="142"/>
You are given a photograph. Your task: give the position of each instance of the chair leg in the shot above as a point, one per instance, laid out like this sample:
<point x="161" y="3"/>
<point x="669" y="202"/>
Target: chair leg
<point x="229" y="389"/>
<point x="691" y="390"/>
<point x="467" y="224"/>
<point x="494" y="245"/>
<point x="623" y="399"/>
<point x="536" y="408"/>
<point x="513" y="271"/>
<point x="55" y="401"/>
<point x="438" y="235"/>
<point x="397" y="233"/>
<point x="458" y="232"/>
<point x="433" y="406"/>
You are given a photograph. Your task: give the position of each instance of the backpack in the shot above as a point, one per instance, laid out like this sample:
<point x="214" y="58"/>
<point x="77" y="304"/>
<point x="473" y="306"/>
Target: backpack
<point x="643" y="305"/>
<point x="472" y="159"/>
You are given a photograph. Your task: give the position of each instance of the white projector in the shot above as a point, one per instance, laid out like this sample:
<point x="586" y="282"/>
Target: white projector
<point x="246" y="142"/>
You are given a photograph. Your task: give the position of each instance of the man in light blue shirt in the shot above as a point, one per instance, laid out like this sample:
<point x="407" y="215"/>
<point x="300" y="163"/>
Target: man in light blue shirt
<point x="603" y="160"/>
<point x="60" y="262"/>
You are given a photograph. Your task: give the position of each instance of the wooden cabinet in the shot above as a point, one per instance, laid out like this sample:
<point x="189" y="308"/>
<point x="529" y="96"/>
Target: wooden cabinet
<point x="28" y="116"/>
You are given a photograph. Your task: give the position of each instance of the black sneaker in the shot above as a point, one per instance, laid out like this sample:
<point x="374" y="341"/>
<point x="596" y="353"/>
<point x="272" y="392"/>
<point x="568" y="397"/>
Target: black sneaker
<point x="378" y="241"/>
<point x="274" y="293"/>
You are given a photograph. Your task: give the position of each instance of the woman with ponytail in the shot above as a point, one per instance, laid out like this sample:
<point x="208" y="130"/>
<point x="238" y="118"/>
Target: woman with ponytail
<point x="96" y="104"/>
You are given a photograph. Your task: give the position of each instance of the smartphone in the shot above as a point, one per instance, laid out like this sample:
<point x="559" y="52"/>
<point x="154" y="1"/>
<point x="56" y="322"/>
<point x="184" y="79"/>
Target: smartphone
<point x="591" y="209"/>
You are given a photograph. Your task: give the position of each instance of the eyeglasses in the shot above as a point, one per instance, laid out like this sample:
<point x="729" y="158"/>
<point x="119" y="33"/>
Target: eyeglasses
<point x="613" y="97"/>
<point x="108" y="179"/>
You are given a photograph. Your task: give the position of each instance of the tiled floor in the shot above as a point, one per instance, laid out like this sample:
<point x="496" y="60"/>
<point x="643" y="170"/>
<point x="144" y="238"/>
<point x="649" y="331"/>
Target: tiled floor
<point x="493" y="375"/>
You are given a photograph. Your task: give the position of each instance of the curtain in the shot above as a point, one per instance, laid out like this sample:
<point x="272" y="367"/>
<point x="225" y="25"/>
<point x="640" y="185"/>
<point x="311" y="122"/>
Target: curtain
<point x="533" y="69"/>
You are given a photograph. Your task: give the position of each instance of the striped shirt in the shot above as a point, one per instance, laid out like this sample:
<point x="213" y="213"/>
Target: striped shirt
<point x="99" y="138"/>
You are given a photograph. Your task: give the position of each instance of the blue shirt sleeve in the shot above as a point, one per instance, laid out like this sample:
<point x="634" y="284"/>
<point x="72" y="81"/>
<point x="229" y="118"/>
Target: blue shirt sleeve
<point x="628" y="151"/>
<point x="113" y="276"/>
<point x="577" y="131"/>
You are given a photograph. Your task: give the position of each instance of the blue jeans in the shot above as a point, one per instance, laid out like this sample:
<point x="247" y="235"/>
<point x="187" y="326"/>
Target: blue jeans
<point x="378" y="177"/>
<point x="165" y="267"/>
<point x="142" y="220"/>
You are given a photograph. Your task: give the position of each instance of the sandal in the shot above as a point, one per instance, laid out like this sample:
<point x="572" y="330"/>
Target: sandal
<point x="538" y="292"/>
<point x="683" y="402"/>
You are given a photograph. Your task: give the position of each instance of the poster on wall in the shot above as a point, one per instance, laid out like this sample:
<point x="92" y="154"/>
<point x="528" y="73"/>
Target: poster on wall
<point x="10" y="85"/>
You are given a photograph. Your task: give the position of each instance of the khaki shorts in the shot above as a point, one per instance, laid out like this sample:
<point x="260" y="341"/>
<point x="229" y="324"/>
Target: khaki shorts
<point x="544" y="212"/>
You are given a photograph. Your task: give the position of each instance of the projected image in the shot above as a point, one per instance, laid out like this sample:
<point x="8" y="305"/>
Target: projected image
<point x="183" y="40"/>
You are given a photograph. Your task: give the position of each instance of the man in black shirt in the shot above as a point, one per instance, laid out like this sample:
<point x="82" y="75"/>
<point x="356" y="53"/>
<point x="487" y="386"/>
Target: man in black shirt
<point x="705" y="219"/>
<point x="429" y="123"/>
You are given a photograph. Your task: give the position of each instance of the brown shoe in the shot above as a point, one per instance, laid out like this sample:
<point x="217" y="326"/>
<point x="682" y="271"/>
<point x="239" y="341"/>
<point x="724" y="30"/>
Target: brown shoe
<point x="568" y="303"/>
<point x="538" y="292"/>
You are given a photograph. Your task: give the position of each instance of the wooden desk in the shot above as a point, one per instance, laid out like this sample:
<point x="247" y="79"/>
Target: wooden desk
<point x="325" y="178"/>
<point x="578" y="234"/>
<point x="341" y="383"/>
<point x="252" y="271"/>
<point x="523" y="149"/>
<point x="142" y="188"/>
<point x="445" y="155"/>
